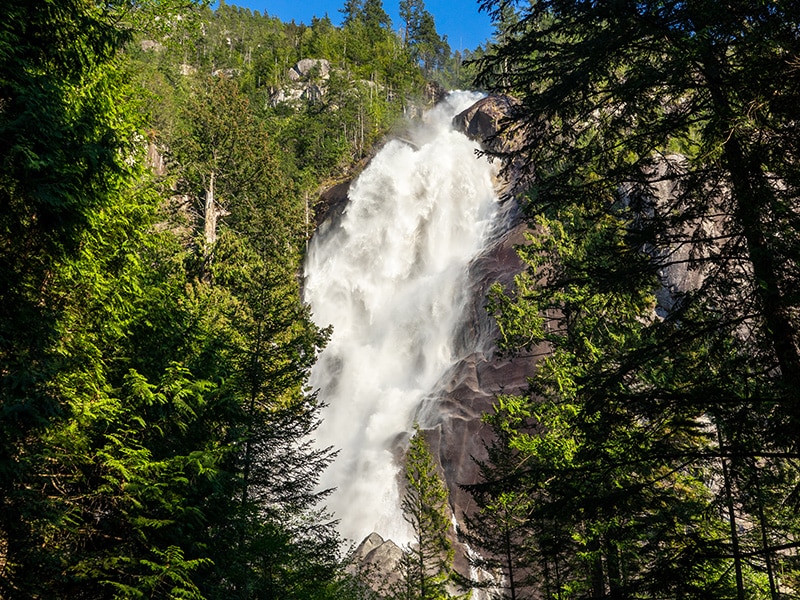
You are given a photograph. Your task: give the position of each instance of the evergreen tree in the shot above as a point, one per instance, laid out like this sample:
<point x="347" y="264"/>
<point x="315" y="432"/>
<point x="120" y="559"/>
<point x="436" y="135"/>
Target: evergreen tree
<point x="264" y="348"/>
<point x="376" y="20"/>
<point x="222" y="155"/>
<point x="420" y="36"/>
<point x="351" y="11"/>
<point x="67" y="140"/>
<point x="699" y="385"/>
<point x="154" y="348"/>
<point x="155" y="425"/>
<point x="410" y="11"/>
<point x="500" y="530"/>
<point x="426" y="567"/>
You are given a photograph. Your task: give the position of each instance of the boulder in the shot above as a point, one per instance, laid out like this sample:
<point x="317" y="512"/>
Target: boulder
<point x="377" y="561"/>
<point x="484" y="120"/>
<point x="151" y="46"/>
<point x="307" y="81"/>
<point x="375" y="550"/>
<point x="307" y="67"/>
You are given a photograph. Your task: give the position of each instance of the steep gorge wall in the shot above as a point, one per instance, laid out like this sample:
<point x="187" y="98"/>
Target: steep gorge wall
<point x="455" y="429"/>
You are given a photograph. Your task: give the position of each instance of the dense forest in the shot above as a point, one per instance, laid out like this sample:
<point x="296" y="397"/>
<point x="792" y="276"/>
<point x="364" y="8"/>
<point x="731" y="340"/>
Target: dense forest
<point x="160" y="163"/>
<point x="159" y="166"/>
<point x="656" y="455"/>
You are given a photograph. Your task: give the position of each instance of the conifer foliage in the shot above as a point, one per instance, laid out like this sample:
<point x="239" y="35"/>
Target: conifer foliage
<point x="657" y="443"/>
<point x="427" y="563"/>
<point x="155" y="428"/>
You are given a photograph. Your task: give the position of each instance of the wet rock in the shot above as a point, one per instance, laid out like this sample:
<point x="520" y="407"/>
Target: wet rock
<point x="486" y="122"/>
<point x="331" y="203"/>
<point x="458" y="434"/>
<point x="490" y="122"/>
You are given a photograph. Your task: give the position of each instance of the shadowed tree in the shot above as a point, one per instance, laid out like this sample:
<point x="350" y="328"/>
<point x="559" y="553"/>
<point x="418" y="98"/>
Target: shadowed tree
<point x="427" y="563"/>
<point x="661" y="143"/>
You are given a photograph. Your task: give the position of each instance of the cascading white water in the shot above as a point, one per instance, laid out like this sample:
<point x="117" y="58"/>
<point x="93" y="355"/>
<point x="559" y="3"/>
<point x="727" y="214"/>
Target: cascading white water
<point x="390" y="277"/>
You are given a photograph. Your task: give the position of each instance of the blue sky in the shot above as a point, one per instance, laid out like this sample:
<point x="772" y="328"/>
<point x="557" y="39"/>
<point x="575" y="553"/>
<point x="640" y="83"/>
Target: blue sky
<point x="460" y="20"/>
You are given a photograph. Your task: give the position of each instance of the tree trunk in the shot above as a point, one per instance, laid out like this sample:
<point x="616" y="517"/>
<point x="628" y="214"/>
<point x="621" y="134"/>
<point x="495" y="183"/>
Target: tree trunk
<point x="753" y="197"/>
<point x="765" y="544"/>
<point x="596" y="575"/>
<point x="616" y="582"/>
<point x="210" y="218"/>
<point x="737" y="558"/>
<point x="509" y="563"/>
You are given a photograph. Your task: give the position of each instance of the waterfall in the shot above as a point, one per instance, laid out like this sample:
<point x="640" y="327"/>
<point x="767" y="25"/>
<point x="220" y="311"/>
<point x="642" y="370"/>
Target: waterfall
<point x="390" y="276"/>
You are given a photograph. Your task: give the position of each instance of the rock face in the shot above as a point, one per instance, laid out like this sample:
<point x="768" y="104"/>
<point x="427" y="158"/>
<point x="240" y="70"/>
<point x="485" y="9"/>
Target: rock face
<point x="308" y="67"/>
<point x="433" y="93"/>
<point x="471" y="387"/>
<point x="331" y="204"/>
<point x="483" y="120"/>
<point x="376" y="555"/>
<point x="308" y="82"/>
<point x="680" y="272"/>
<point x="455" y="430"/>
<point x="487" y="122"/>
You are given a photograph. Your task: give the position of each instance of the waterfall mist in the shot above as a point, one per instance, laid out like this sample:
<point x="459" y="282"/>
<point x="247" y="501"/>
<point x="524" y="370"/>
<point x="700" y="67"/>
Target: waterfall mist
<point x="390" y="276"/>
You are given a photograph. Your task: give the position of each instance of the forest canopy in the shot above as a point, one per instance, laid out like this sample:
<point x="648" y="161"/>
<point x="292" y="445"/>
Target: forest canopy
<point x="160" y="164"/>
<point x="656" y="453"/>
<point x="157" y="192"/>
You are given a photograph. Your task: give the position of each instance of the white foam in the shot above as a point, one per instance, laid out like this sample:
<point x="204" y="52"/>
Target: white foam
<point x="391" y="280"/>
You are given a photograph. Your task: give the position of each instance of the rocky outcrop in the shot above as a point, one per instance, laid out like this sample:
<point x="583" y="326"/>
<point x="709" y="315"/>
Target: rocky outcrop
<point x="696" y="243"/>
<point x="307" y="81"/>
<point x="433" y="93"/>
<point x="483" y="122"/>
<point x="151" y="46"/>
<point x="310" y="68"/>
<point x="383" y="555"/>
<point x="331" y="204"/>
<point x="377" y="563"/>
<point x="490" y="122"/>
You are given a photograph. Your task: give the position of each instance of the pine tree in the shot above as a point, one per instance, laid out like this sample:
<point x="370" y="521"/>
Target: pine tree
<point x="420" y="36"/>
<point x="270" y="538"/>
<point x="376" y="20"/>
<point x="500" y="531"/>
<point x="351" y="11"/>
<point x="427" y="563"/>
<point x="67" y="141"/>
<point x="155" y="425"/>
<point x="660" y="142"/>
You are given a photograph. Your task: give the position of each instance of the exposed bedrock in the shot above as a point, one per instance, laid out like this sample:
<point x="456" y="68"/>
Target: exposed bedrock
<point x="453" y="415"/>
